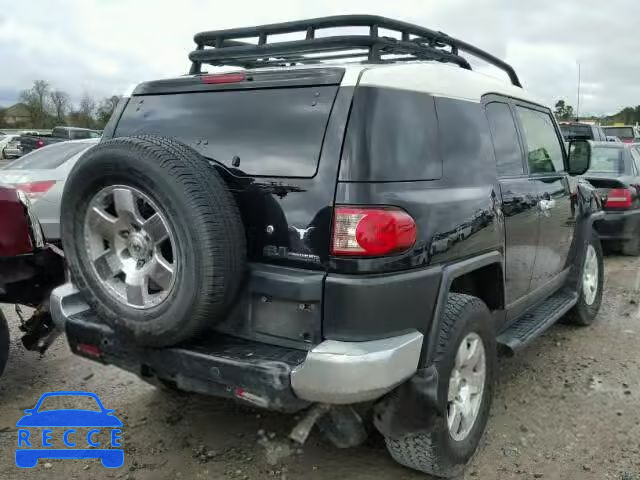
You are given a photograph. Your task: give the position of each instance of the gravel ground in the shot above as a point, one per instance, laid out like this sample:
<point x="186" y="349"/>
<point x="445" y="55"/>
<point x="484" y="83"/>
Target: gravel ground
<point x="566" y="408"/>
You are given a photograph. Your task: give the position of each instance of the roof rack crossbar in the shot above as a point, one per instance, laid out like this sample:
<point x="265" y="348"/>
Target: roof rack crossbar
<point x="241" y="54"/>
<point x="226" y="47"/>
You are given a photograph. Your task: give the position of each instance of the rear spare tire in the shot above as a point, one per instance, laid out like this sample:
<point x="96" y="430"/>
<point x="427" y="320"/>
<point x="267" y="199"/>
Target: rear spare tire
<point x="153" y="238"/>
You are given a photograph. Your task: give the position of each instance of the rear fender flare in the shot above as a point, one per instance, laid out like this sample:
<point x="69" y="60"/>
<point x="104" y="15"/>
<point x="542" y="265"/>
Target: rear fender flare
<point x="449" y="274"/>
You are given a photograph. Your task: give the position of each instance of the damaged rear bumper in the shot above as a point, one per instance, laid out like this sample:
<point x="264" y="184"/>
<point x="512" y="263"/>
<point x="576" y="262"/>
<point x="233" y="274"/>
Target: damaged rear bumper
<point x="264" y="375"/>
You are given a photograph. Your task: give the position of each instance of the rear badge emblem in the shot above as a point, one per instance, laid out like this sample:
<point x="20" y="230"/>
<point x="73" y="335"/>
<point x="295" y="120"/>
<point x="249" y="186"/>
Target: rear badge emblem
<point x="302" y="232"/>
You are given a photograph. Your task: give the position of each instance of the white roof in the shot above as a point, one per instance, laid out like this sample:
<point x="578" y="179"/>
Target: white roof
<point x="439" y="79"/>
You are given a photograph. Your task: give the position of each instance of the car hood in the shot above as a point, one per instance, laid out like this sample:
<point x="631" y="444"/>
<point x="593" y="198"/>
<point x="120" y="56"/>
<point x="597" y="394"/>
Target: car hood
<point x="69" y="418"/>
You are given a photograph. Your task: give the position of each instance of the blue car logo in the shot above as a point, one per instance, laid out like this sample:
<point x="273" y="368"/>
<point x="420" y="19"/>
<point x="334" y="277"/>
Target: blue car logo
<point x="63" y="422"/>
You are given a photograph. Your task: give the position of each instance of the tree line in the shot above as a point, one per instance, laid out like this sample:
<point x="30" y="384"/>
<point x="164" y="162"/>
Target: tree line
<point x="48" y="107"/>
<point x="628" y="116"/>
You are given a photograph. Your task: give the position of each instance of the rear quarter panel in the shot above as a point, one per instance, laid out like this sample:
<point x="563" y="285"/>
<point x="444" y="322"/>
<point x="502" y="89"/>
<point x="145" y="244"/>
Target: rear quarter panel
<point x="456" y="215"/>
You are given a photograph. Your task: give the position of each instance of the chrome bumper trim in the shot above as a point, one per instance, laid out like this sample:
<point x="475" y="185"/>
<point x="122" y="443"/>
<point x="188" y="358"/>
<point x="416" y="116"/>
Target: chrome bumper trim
<point x="349" y="372"/>
<point x="65" y="302"/>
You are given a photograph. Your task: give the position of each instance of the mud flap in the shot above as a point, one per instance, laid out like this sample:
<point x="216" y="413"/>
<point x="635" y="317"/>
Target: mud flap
<point x="412" y="407"/>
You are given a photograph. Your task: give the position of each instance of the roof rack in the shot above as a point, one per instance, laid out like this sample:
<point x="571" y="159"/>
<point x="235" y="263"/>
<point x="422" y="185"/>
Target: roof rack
<point x="226" y="47"/>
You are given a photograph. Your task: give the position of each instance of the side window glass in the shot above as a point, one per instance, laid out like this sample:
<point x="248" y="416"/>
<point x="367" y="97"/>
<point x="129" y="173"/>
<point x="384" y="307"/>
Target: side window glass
<point x="544" y="152"/>
<point x="635" y="154"/>
<point x="505" y="139"/>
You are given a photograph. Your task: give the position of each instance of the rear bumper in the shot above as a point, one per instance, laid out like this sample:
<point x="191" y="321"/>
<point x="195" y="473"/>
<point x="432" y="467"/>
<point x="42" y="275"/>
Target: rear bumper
<point x="264" y="375"/>
<point x="618" y="225"/>
<point x="12" y="152"/>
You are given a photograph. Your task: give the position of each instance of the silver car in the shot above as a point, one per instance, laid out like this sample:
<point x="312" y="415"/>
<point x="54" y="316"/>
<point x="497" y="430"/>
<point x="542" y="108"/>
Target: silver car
<point x="42" y="174"/>
<point x="9" y="146"/>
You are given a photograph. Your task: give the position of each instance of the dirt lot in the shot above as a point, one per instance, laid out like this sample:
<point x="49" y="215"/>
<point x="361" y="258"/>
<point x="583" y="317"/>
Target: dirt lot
<point x="567" y="408"/>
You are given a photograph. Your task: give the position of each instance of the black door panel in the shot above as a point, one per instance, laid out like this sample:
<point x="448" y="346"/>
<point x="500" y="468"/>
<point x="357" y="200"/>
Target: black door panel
<point x="557" y="223"/>
<point x="521" y="220"/>
<point x="546" y="163"/>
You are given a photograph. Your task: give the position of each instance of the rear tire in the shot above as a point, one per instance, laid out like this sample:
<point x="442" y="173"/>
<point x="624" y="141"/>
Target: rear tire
<point x="197" y="215"/>
<point x="585" y="311"/>
<point x="4" y="342"/>
<point x="437" y="452"/>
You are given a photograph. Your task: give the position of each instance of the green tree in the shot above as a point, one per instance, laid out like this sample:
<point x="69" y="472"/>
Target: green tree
<point x="83" y="116"/>
<point x="36" y="102"/>
<point x="563" y="111"/>
<point x="61" y="104"/>
<point x="105" y="110"/>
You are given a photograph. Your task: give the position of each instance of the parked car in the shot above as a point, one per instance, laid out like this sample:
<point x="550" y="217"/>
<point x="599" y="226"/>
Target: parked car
<point x="615" y="173"/>
<point x="626" y="133"/>
<point x="29" y="270"/>
<point x="10" y="147"/>
<point x="583" y="131"/>
<point x="30" y="142"/>
<point x="41" y="174"/>
<point x="332" y="240"/>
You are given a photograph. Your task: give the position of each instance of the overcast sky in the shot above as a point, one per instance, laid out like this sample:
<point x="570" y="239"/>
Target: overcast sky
<point x="103" y="46"/>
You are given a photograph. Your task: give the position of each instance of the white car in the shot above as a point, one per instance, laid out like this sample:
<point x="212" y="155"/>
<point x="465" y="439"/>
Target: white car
<point x="9" y="146"/>
<point x="42" y="174"/>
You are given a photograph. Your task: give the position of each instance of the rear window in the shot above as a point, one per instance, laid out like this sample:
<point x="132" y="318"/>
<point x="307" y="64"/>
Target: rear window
<point x="393" y="135"/>
<point x="607" y="160"/>
<point x="273" y="132"/>
<point x="570" y="132"/>
<point x="620" y="132"/>
<point x="47" y="158"/>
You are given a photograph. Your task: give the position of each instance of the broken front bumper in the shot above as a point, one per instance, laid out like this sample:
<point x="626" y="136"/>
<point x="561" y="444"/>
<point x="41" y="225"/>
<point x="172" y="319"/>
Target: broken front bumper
<point x="264" y="375"/>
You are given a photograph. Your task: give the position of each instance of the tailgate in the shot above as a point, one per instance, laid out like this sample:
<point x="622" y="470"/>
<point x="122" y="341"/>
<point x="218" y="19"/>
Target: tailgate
<point x="276" y="137"/>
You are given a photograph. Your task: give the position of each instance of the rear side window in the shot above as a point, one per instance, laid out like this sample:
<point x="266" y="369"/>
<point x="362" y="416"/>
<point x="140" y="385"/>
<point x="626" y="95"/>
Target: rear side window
<point x="603" y="136"/>
<point x="505" y="139"/>
<point x="635" y="155"/>
<point x="47" y="158"/>
<point x="392" y="135"/>
<point x="59" y="132"/>
<point x="624" y="133"/>
<point x="544" y="152"/>
<point x="80" y="134"/>
<point x="607" y="160"/>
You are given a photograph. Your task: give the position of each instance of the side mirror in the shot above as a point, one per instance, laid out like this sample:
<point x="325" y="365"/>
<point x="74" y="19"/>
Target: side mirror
<point x="579" y="157"/>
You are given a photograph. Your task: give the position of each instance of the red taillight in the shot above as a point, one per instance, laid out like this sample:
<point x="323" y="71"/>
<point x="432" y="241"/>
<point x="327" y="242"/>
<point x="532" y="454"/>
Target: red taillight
<point x="35" y="189"/>
<point x="14" y="225"/>
<point x="39" y="143"/>
<point x="89" y="350"/>
<point x="224" y="78"/>
<point x="371" y="232"/>
<point x="619" y="198"/>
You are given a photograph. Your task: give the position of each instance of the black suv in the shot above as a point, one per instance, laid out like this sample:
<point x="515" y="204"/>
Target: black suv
<point x="305" y="234"/>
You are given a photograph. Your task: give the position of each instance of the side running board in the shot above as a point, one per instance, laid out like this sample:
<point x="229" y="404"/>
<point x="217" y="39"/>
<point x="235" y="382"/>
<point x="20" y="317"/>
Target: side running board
<point x="534" y="322"/>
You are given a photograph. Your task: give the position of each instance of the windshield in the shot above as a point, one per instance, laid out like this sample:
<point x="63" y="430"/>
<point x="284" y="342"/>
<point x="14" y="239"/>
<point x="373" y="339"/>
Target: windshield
<point x="621" y="132"/>
<point x="607" y="160"/>
<point x="575" y="131"/>
<point x="69" y="402"/>
<point x="47" y="158"/>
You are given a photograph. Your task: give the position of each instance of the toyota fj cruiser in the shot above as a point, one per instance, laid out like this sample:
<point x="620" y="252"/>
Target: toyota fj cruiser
<point x="311" y="231"/>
